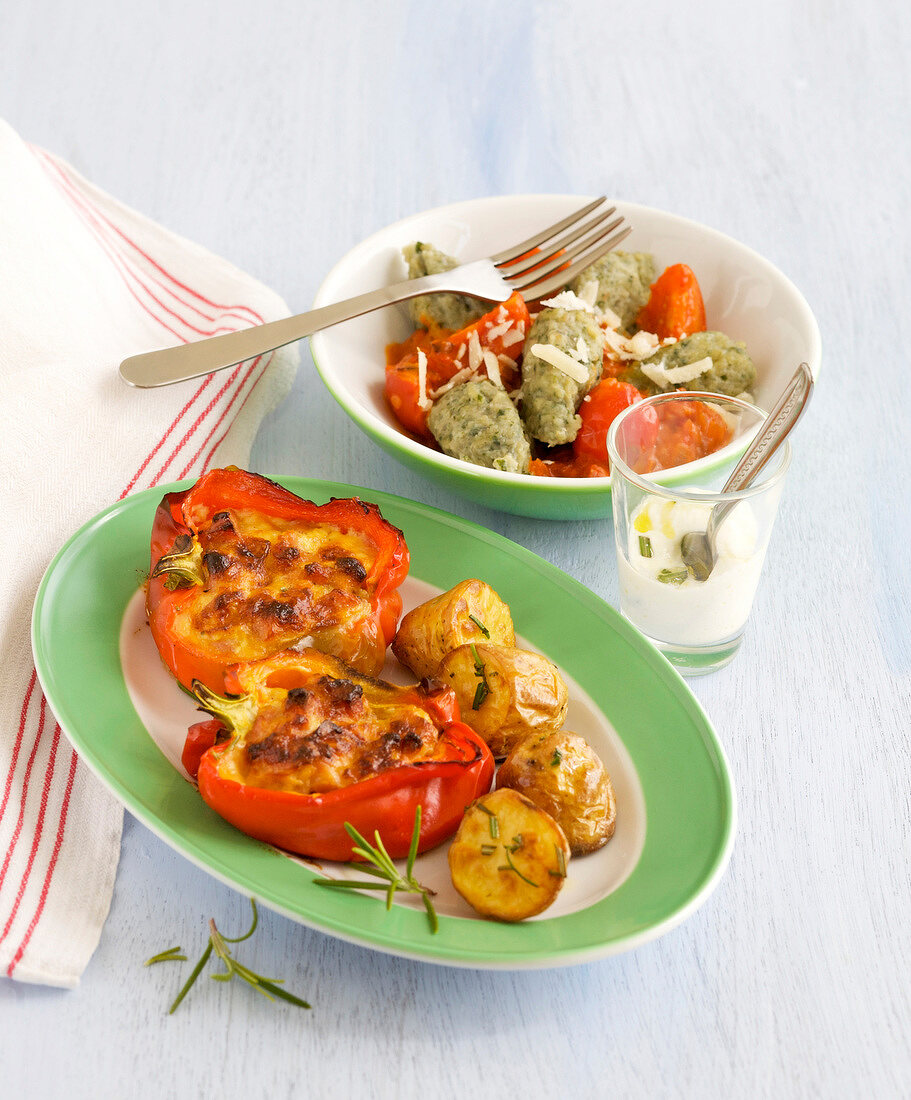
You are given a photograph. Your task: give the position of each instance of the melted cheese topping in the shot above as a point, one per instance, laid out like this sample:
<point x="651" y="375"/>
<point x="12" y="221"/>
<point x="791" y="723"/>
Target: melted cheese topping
<point x="331" y="729"/>
<point x="273" y="583"/>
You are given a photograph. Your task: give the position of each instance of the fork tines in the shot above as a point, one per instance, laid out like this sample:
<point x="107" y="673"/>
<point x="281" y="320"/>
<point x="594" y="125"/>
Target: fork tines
<point x="557" y="254"/>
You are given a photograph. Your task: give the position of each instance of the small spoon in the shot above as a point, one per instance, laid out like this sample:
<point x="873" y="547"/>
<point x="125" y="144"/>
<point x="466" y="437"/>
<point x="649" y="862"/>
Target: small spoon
<point x="698" y="547"/>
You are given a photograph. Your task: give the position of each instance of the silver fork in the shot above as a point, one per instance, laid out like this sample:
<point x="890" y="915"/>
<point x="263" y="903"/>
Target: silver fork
<point x="563" y="250"/>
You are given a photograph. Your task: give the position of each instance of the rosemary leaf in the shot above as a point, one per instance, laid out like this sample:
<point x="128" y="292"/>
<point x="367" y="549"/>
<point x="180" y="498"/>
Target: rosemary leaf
<point x="173" y="954"/>
<point x="415" y="840"/>
<point x="197" y="970"/>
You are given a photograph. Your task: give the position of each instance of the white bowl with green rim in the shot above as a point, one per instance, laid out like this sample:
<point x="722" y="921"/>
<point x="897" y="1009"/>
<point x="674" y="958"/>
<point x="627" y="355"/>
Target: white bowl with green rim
<point x="746" y="297"/>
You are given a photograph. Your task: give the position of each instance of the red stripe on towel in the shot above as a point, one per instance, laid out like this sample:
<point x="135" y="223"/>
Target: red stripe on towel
<point x="23" y="714"/>
<point x="42" y="810"/>
<point x="26" y="782"/>
<point x="96" y="221"/>
<point x="58" y="841"/>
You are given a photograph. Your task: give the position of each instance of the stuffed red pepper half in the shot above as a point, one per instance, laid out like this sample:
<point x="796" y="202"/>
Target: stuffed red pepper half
<point x="304" y="744"/>
<point x="241" y="568"/>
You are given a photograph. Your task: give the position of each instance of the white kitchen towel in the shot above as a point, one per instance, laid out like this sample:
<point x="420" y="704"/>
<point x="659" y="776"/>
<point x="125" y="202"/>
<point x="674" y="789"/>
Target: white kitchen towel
<point x="84" y="282"/>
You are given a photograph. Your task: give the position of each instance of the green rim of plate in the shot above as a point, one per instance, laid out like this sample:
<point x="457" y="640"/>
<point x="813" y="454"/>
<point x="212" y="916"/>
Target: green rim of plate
<point x="689" y="796"/>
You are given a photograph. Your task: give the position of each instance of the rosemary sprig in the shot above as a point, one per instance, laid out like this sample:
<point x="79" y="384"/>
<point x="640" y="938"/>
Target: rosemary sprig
<point x="378" y="862"/>
<point x="218" y="943"/>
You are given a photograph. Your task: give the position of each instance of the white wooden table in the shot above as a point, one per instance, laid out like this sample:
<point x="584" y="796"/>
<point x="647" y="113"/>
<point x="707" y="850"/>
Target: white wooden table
<point x="279" y="135"/>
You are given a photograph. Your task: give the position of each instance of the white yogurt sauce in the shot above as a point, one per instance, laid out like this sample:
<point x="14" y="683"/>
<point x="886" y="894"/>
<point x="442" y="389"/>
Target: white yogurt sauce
<point x="678" y="608"/>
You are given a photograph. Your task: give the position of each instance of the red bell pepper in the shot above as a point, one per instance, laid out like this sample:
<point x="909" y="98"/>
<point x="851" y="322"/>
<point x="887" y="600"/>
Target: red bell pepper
<point x="312" y="745"/>
<point x="242" y="568"/>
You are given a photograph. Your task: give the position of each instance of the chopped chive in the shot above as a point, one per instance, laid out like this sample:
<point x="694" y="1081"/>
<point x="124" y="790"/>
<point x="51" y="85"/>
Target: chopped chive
<point x="645" y="546"/>
<point x="480" y="626"/>
<point x="556" y="759"/>
<point x="561" y="863"/>
<point x="483" y="688"/>
<point x="672" y="576"/>
<point x="488" y="849"/>
<point x="510" y="866"/>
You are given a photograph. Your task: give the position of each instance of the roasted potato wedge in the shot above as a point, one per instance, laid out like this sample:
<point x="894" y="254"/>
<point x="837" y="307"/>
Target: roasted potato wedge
<point x="505" y="693"/>
<point x="562" y="774"/>
<point x="508" y="859"/>
<point x="470" y="612"/>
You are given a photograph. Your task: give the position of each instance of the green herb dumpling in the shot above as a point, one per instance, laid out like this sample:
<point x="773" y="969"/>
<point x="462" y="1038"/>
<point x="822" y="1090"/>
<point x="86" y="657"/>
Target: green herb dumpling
<point x="555" y="377"/>
<point x="624" y="283"/>
<point x="452" y="311"/>
<point x="477" y="422"/>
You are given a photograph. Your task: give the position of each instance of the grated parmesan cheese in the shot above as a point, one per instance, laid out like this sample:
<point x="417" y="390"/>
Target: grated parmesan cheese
<point x="498" y="330"/>
<point x="457" y="379"/>
<point x="515" y="336"/>
<point x="424" y="401"/>
<point x="607" y="317"/>
<point x="566" y="299"/>
<point x="493" y="368"/>
<point x="664" y="377"/>
<point x="474" y="351"/>
<point x="641" y="346"/>
<point x="588" y="292"/>
<point x="563" y="362"/>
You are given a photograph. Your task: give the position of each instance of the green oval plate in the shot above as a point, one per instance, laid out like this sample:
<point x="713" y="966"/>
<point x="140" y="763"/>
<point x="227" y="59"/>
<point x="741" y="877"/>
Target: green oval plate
<point x="687" y="795"/>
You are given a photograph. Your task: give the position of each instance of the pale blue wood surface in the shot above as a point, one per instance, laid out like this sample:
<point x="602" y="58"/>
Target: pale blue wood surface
<point x="279" y="135"/>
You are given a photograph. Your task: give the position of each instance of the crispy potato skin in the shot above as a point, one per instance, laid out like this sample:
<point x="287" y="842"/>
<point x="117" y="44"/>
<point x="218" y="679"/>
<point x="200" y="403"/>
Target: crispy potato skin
<point x="563" y="775"/>
<point x="525" y="692"/>
<point x="428" y="632"/>
<point x="479" y="861"/>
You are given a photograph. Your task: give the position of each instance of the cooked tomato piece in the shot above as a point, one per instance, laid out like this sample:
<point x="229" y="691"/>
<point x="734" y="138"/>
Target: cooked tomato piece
<point x="675" y="307"/>
<point x="599" y="410"/>
<point x="499" y="333"/>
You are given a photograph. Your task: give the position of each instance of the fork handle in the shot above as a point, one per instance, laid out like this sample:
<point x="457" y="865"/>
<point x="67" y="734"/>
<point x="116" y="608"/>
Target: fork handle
<point x="177" y="364"/>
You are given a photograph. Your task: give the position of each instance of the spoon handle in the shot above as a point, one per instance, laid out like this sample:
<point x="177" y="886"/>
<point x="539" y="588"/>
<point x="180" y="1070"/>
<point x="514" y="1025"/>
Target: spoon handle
<point x="777" y="425"/>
